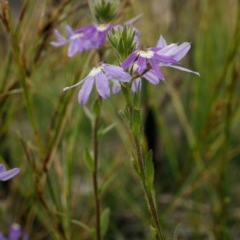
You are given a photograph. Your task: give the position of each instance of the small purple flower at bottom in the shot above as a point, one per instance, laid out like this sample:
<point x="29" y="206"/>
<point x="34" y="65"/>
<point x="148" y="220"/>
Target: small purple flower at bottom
<point x="7" y="174"/>
<point x="15" y="233"/>
<point x="100" y="76"/>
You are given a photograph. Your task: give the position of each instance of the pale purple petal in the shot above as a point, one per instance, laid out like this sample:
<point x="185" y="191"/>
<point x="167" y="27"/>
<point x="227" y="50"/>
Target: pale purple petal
<point x="129" y="60"/>
<point x="169" y="50"/>
<point x="173" y="50"/>
<point x="2" y="168"/>
<point x="86" y="89"/>
<point x="136" y="84"/>
<point x="156" y="68"/>
<point x="6" y="175"/>
<point x="161" y="42"/>
<point x="75" y="85"/>
<point x="69" y="31"/>
<point x="181" y="51"/>
<point x="164" y="59"/>
<point x="60" y="39"/>
<point x="102" y="85"/>
<point x="100" y="39"/>
<point x="86" y="29"/>
<point x="141" y="63"/>
<point x="116" y="72"/>
<point x="152" y="77"/>
<point x="181" y="68"/>
<point x="73" y="48"/>
<point x="115" y="88"/>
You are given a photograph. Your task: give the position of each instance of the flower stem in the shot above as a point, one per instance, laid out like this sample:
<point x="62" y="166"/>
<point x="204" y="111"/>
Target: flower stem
<point x="148" y="192"/>
<point x="95" y="174"/>
<point x="135" y="127"/>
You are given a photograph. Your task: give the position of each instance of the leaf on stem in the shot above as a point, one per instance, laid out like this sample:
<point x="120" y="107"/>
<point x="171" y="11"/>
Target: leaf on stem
<point x="153" y="232"/>
<point x="88" y="114"/>
<point x="149" y="170"/>
<point x="104" y="131"/>
<point x="83" y="225"/>
<point x="105" y="185"/>
<point x="136" y="167"/>
<point x="105" y="221"/>
<point x="89" y="160"/>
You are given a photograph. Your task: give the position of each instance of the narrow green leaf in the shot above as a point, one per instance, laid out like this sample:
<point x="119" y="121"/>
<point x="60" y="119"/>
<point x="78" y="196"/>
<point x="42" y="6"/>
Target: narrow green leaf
<point x="136" y="166"/>
<point x="153" y="232"/>
<point x="105" y="221"/>
<point x="105" y="185"/>
<point x="88" y="113"/>
<point x="104" y="131"/>
<point x="82" y="225"/>
<point x="89" y="160"/>
<point x="149" y="170"/>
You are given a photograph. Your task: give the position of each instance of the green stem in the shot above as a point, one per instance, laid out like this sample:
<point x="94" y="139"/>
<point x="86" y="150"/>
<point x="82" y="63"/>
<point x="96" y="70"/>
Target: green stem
<point x="148" y="192"/>
<point x="136" y="136"/>
<point x="95" y="174"/>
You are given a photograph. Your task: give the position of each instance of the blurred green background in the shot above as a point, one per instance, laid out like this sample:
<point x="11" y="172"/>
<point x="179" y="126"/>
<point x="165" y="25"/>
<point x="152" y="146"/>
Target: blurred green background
<point x="191" y="123"/>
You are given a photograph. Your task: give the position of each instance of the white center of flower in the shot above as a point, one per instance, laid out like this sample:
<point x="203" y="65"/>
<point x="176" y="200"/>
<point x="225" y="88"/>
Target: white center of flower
<point x="146" y="54"/>
<point x="101" y="27"/>
<point x="76" y="35"/>
<point x="95" y="71"/>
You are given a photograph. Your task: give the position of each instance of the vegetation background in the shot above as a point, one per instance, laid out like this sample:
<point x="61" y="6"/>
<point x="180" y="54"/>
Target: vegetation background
<point x="192" y="124"/>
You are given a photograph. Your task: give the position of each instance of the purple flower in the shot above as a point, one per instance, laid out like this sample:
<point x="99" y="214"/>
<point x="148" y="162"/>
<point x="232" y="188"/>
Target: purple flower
<point x="147" y="63"/>
<point x="85" y="38"/>
<point x="97" y="33"/>
<point x="7" y="174"/>
<point x="101" y="76"/>
<point x="15" y="233"/>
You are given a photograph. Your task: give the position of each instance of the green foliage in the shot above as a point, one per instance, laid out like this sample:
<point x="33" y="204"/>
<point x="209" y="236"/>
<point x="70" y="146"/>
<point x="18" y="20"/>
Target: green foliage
<point x="105" y="221"/>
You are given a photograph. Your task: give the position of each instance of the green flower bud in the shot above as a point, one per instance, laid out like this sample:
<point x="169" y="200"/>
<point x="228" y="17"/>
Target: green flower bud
<point x="105" y="10"/>
<point x="123" y="40"/>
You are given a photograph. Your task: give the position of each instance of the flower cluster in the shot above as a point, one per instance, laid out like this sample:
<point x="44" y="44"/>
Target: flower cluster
<point x="7" y="174"/>
<point x="15" y="233"/>
<point x="140" y="63"/>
